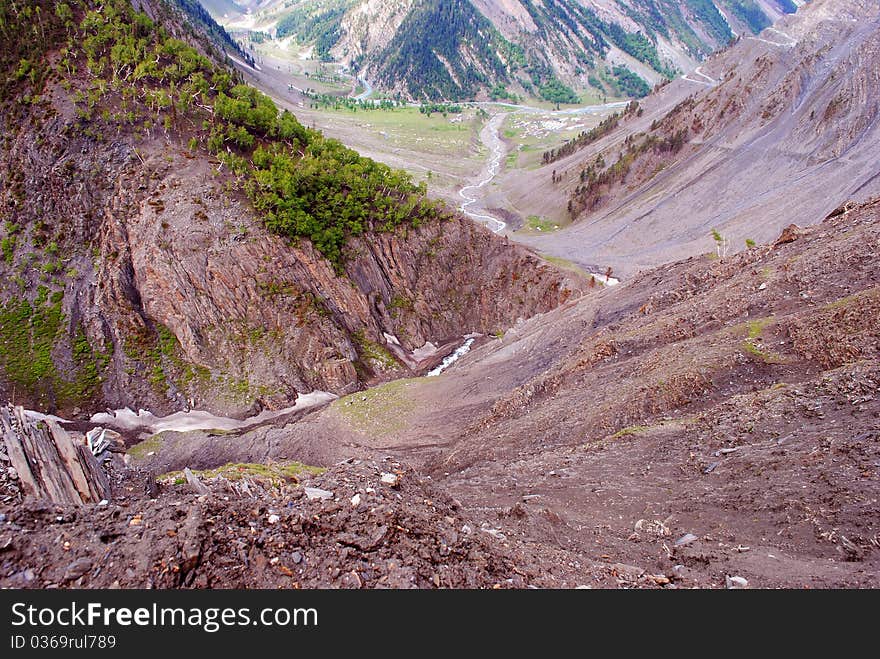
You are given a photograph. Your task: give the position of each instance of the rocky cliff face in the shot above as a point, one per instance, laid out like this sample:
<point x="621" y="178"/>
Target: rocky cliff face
<point x="370" y="26"/>
<point x="137" y="272"/>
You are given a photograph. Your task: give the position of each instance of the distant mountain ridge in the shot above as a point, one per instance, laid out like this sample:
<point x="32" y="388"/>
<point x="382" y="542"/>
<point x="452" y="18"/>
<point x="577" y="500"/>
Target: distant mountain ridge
<point x="459" y="49"/>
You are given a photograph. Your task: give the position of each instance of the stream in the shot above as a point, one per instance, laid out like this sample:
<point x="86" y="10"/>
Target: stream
<point x="450" y="359"/>
<point x="490" y="138"/>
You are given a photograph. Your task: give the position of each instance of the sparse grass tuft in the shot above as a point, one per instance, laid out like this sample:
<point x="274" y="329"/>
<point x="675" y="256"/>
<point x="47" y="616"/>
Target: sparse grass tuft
<point x="276" y="473"/>
<point x="152" y="444"/>
<point x="753" y="330"/>
<point x="379" y="411"/>
<point x="755" y="327"/>
<point x="629" y="430"/>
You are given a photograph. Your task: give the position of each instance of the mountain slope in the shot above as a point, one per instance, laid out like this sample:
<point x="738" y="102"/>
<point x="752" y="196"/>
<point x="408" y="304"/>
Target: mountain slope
<point x="170" y="239"/>
<point x="688" y="426"/>
<point x="781" y="123"/>
<point x="442" y="49"/>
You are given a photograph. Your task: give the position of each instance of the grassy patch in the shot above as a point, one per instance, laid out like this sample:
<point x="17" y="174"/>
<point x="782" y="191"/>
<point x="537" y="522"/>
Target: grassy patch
<point x="536" y="223"/>
<point x="757" y="326"/>
<point x="142" y="450"/>
<point x="407" y="128"/>
<point x="374" y="352"/>
<point x="565" y="264"/>
<point x="753" y="330"/>
<point x="851" y="300"/>
<point x="750" y="348"/>
<point x="90" y="364"/>
<point x="276" y="473"/>
<point x="381" y="410"/>
<point x="629" y="430"/>
<point x="30" y="333"/>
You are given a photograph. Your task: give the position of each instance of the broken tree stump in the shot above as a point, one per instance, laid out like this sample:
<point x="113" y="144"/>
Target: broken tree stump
<point x="50" y="464"/>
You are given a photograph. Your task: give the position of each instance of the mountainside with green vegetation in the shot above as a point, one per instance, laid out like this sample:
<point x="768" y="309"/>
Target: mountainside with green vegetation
<point x="445" y="49"/>
<point x="464" y="49"/>
<point x="199" y="19"/>
<point x="318" y="24"/>
<point x="168" y="235"/>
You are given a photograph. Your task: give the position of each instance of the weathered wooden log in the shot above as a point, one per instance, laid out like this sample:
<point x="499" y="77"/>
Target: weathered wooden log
<point x="48" y="461"/>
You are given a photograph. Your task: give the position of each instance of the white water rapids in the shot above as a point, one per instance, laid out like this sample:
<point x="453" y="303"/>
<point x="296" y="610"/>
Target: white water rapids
<point x="449" y="360"/>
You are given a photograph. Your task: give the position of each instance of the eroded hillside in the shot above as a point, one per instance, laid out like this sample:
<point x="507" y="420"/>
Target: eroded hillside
<point x="779" y="123"/>
<point x="171" y="240"/>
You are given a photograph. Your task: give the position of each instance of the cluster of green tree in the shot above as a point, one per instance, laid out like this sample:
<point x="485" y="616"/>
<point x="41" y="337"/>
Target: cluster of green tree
<point x="651" y="15"/>
<point x="330" y="193"/>
<point x="437" y="34"/>
<point x="628" y="83"/>
<point x="558" y="93"/>
<point x="512" y="54"/>
<point x="500" y="93"/>
<point x="707" y="13"/>
<point x="568" y="16"/>
<point x="750" y="13"/>
<point x="673" y="22"/>
<point x="585" y="138"/>
<point x="440" y="108"/>
<point x="333" y="102"/>
<point x="596" y="178"/>
<point x="669" y="119"/>
<point x="158" y="79"/>
<point x="640" y="47"/>
<point x="596" y="36"/>
<point x="320" y="27"/>
<point x="28" y="30"/>
<point x="595" y="82"/>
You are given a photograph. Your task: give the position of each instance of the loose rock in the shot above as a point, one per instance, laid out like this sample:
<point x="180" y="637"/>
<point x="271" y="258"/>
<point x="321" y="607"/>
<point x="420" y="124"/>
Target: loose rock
<point x="736" y="583"/>
<point x="317" y="493"/>
<point x="77" y="569"/>
<point x="686" y="539"/>
<point x="392" y="480"/>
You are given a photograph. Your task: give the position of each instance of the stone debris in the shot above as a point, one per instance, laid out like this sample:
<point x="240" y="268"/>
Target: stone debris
<point x="736" y="583"/>
<point x="197" y="486"/>
<point x="389" y="479"/>
<point x="686" y="539"/>
<point x="313" y="493"/>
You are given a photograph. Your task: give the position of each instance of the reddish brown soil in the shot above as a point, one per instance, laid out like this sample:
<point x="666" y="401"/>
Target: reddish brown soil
<point x="735" y="401"/>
